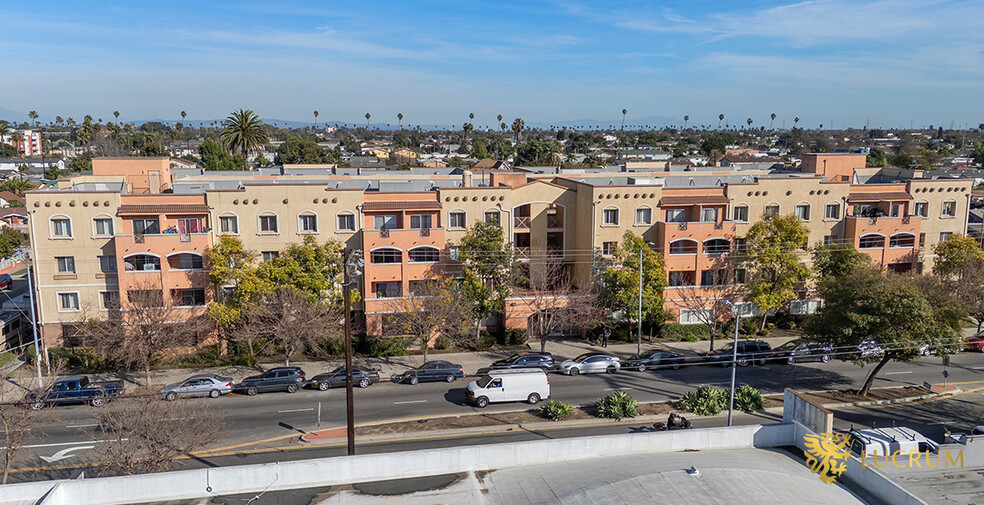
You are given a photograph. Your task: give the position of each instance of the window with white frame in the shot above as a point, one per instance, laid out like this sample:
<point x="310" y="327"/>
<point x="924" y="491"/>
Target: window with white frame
<point x="424" y="254"/>
<point x="695" y="316"/>
<point x="644" y="215"/>
<point x="185" y="261"/>
<point x="384" y="222"/>
<point x="109" y="299"/>
<point x="683" y="246"/>
<point x="871" y="241"/>
<point x="945" y="235"/>
<point x="346" y="222"/>
<point x="386" y="255"/>
<point x="456" y="220"/>
<point x="492" y="216"/>
<point x="189" y="225"/>
<point x="61" y="227"/>
<point x="906" y="240"/>
<point x="802" y="211"/>
<point x="308" y="223"/>
<point x="141" y="263"/>
<point x="269" y="255"/>
<point x="103" y="226"/>
<point x="147" y="226"/>
<point x="804" y="307"/>
<point x="268" y="223"/>
<point x="421" y="221"/>
<point x="832" y="211"/>
<point x="609" y="217"/>
<point x="228" y="224"/>
<point x="608" y="248"/>
<point x="675" y="215"/>
<point x="709" y="215"/>
<point x="949" y="208"/>
<point x="107" y="263"/>
<point x="454" y="253"/>
<point x="772" y="209"/>
<point x="68" y="301"/>
<point x="740" y="213"/>
<point x="390" y="289"/>
<point x="921" y="209"/>
<point x="66" y="264"/>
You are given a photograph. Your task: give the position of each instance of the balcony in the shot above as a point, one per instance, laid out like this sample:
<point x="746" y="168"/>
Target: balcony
<point x="856" y="226"/>
<point x="521" y="222"/>
<point x="163" y="243"/>
<point x="696" y="230"/>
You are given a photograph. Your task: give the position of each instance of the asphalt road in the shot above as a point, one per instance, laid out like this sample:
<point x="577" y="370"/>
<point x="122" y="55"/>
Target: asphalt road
<point x="248" y="419"/>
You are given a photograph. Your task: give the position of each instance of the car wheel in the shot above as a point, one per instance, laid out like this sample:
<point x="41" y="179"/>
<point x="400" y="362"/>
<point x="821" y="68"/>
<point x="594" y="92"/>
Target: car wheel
<point x="414" y="381"/>
<point x="364" y="383"/>
<point x="791" y="360"/>
<point x="926" y="352"/>
<point x="171" y="396"/>
<point x="292" y="388"/>
<point x="825" y="358"/>
<point x="533" y="399"/>
<point x="641" y="368"/>
<point x="214" y="393"/>
<point x="251" y="391"/>
<point x="323" y="386"/>
<point x="573" y="371"/>
<point x="37" y="406"/>
<point x="96" y="402"/>
<point x="481" y="402"/>
<point x="742" y="362"/>
<point x="450" y="378"/>
<point x="611" y="369"/>
<point x="676" y="366"/>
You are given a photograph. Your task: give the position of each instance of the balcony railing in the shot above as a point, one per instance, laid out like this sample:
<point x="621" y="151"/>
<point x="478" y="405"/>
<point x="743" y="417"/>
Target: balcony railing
<point x="554" y="221"/>
<point x="555" y="252"/>
<point x="384" y="233"/>
<point x="522" y="252"/>
<point x="425" y="232"/>
<point x="521" y="222"/>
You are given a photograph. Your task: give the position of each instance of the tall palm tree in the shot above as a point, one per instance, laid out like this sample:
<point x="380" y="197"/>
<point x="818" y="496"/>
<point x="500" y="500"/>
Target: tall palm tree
<point x="749" y="121"/>
<point x="517" y="128"/>
<point x="4" y="130"/>
<point x="720" y="118"/>
<point x="183" y="115"/>
<point x="315" y="120"/>
<point x="244" y="132"/>
<point x="624" y="111"/>
<point x="367" y="120"/>
<point x="773" y="119"/>
<point x="502" y="126"/>
<point x="58" y="120"/>
<point x="34" y="117"/>
<point x="796" y="120"/>
<point x="116" y="113"/>
<point x="685" y="119"/>
<point x="399" y="117"/>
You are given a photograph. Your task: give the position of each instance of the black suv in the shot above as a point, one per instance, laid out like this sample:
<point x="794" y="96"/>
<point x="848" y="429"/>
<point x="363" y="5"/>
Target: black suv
<point x="283" y="378"/>
<point x="543" y="360"/>
<point x="749" y="351"/>
<point x="438" y="370"/>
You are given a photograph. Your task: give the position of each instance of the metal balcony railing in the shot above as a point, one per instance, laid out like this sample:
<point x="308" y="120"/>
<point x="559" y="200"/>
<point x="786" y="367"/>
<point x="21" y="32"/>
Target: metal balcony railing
<point x="521" y="222"/>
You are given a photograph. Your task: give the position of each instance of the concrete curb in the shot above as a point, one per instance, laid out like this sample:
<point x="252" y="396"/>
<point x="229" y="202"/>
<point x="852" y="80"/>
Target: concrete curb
<point x="906" y="399"/>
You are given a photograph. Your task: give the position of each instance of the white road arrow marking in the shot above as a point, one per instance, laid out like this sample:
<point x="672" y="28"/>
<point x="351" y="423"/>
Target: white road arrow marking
<point x="64" y="453"/>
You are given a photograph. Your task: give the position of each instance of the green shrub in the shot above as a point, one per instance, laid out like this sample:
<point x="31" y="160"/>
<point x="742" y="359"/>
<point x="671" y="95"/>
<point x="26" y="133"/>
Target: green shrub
<point x="555" y="411"/>
<point x="748" y="399"/>
<point x="7" y="357"/>
<point x="514" y="337"/>
<point x="685" y="332"/>
<point x="485" y="341"/>
<point x="706" y="401"/>
<point x="76" y="358"/>
<point x="382" y="347"/>
<point x="617" y="406"/>
<point x="443" y="343"/>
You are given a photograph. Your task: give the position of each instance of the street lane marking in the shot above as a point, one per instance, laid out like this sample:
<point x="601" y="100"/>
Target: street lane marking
<point x="897" y="373"/>
<point x="63" y="443"/>
<point x="615" y="389"/>
<point x="294" y="410"/>
<point x="82" y="425"/>
<point x="411" y="401"/>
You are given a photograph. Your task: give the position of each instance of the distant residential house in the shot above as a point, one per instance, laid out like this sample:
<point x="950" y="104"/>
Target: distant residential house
<point x="14" y="217"/>
<point x="7" y="196"/>
<point x="13" y="164"/>
<point x="183" y="163"/>
<point x="644" y="154"/>
<point x="329" y="143"/>
<point x="484" y="163"/>
<point x="746" y="162"/>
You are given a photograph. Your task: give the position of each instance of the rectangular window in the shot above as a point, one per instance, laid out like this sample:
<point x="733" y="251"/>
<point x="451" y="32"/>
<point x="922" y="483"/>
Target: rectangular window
<point x="104" y="226"/>
<point x="456" y="220"/>
<point x="803" y="212"/>
<point x="681" y="278"/>
<point x="609" y="217"/>
<point x="309" y="223"/>
<point x="145" y="226"/>
<point x="189" y="225"/>
<point x="454" y="252"/>
<point x="189" y="262"/>
<point x="386" y="289"/>
<point x="384" y="222"/>
<point x="945" y="235"/>
<point x="107" y="263"/>
<point x="68" y="301"/>
<point x="896" y="210"/>
<point x="608" y="248"/>
<point x="192" y="297"/>
<point x="709" y="215"/>
<point x="740" y="275"/>
<point x="832" y="211"/>
<point x="695" y="316"/>
<point x="771" y="210"/>
<point x="828" y="240"/>
<point x="804" y="307"/>
<point x="492" y="217"/>
<point x="228" y="224"/>
<point x="346" y="222"/>
<point x="66" y="264"/>
<point x="270" y="255"/>
<point x="707" y="277"/>
<point x="109" y="299"/>
<point x="740" y="245"/>
<point x="741" y="214"/>
<point x="61" y="227"/>
<point x="424" y="255"/>
<point x="644" y="215"/>
<point x="922" y="240"/>
<point x="949" y="208"/>
<point x="922" y="209"/>
<point x="268" y="224"/>
<point x="902" y="240"/>
<point x="420" y="221"/>
<point x="676" y="215"/>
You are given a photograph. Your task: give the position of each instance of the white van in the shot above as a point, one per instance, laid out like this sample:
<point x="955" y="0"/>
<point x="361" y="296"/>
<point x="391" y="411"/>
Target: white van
<point x="888" y="441"/>
<point x="513" y="385"/>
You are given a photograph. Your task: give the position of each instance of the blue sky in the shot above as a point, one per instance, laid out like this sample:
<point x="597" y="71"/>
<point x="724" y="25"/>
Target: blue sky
<point x="839" y="62"/>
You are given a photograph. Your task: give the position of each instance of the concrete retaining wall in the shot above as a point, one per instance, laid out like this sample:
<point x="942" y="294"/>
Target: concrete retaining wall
<point x="190" y="484"/>
<point x="797" y="408"/>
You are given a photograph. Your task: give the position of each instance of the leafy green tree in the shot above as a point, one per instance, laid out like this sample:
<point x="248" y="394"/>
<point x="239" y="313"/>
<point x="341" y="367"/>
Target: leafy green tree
<point x="300" y="150"/>
<point x="487" y="261"/>
<point x="313" y="269"/>
<point x="10" y="239"/>
<point x="899" y="313"/>
<point x="960" y="267"/>
<point x="536" y="153"/>
<point x="837" y="259"/>
<point x="877" y="158"/>
<point x="954" y="254"/>
<point x="243" y="132"/>
<point x="214" y="157"/>
<point x="479" y="149"/>
<point x="620" y="291"/>
<point x="232" y="269"/>
<point x="16" y="186"/>
<point x="776" y="267"/>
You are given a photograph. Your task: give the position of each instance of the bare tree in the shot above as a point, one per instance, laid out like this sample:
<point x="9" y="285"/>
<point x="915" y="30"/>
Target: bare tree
<point x="145" y="434"/>
<point x="287" y="319"/>
<point x="432" y="308"/>
<point x="146" y="323"/>
<point x="706" y="304"/>
<point x="555" y="303"/>
<point x="17" y="418"/>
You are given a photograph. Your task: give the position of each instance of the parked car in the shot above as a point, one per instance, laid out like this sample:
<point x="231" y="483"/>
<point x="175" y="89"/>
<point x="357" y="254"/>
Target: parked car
<point x="885" y="441"/>
<point x="336" y="378"/>
<point x="75" y="389"/>
<point x="543" y="360"/>
<point x="749" y="351"/>
<point x="513" y="385"/>
<point x="283" y="378"/>
<point x="6" y="281"/>
<point x="801" y="350"/>
<point x="431" y="371"/>
<point x="975" y="342"/>
<point x="655" y="359"/>
<point x="212" y="386"/>
<point x="591" y="362"/>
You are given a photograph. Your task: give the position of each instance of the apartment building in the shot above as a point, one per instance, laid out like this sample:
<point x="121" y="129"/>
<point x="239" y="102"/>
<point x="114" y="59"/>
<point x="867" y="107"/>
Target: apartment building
<point x="28" y="144"/>
<point x="135" y="224"/>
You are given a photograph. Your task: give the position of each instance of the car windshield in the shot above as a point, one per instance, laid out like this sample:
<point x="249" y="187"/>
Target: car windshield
<point x="582" y="357"/>
<point x="484" y="381"/>
<point x="340" y="369"/>
<point x="788" y="346"/>
<point x="726" y="348"/>
<point x="514" y="357"/>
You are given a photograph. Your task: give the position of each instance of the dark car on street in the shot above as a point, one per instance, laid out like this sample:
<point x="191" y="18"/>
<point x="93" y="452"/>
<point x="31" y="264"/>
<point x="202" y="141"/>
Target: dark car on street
<point x="336" y="378"/>
<point x="802" y="350"/>
<point x="749" y="351"/>
<point x="75" y="389"/>
<point x="655" y="359"/>
<point x="283" y="378"/>
<point x="431" y="371"/>
<point x="543" y="360"/>
<point x="6" y="281"/>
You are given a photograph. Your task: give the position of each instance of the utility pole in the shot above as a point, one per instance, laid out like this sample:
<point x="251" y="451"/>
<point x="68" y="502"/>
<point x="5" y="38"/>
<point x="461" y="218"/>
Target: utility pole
<point x="352" y="265"/>
<point x="639" y="336"/>
<point x="34" y="324"/>
<point x="734" y="360"/>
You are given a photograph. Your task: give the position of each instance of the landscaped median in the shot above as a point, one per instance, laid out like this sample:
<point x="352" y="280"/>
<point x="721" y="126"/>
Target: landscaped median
<point x="446" y="426"/>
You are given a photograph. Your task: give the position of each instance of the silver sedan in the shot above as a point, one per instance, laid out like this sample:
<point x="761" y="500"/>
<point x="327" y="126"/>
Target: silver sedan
<point x="591" y="363"/>
<point x="212" y="386"/>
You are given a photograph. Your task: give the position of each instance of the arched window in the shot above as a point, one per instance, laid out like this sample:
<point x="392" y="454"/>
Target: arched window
<point x="906" y="240"/>
<point x="802" y="211"/>
<point x="740" y="213"/>
<point x="872" y="241"/>
<point x="644" y="215"/>
<point x="346" y="221"/>
<point x="141" y="263"/>
<point x="307" y="222"/>
<point x="921" y="209"/>
<point x="772" y="208"/>
<point x="268" y="223"/>
<point x="229" y="223"/>
<point x="61" y="226"/>
<point x="185" y="261"/>
<point x="949" y="208"/>
<point x="102" y="225"/>
<point x="424" y="254"/>
<point x="683" y="246"/>
<point x="387" y="255"/>
<point x="832" y="211"/>
<point x="717" y="246"/>
<point x="609" y="216"/>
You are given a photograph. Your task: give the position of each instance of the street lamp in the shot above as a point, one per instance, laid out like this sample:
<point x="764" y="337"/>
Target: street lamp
<point x="734" y="358"/>
<point x="353" y="266"/>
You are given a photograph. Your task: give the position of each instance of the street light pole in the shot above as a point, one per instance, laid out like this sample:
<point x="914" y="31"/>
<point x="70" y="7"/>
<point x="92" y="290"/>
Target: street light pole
<point x="639" y="336"/>
<point x="734" y="361"/>
<point x="349" y="393"/>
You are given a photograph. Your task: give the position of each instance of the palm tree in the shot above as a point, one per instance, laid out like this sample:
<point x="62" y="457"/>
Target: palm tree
<point x="315" y="120"/>
<point x="749" y="121"/>
<point x="796" y="120"/>
<point x="720" y="118"/>
<point x="34" y="116"/>
<point x="116" y="113"/>
<point x="183" y="115"/>
<point x="399" y="117"/>
<point x="502" y="126"/>
<point x="517" y="128"/>
<point x="244" y="132"/>
<point x="773" y="117"/>
<point x="58" y="120"/>
<point x="367" y="120"/>
<point x="685" y="119"/>
<point x="624" y="111"/>
<point x="467" y="127"/>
